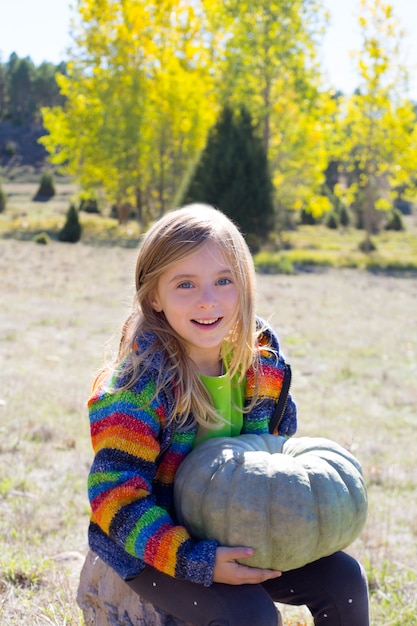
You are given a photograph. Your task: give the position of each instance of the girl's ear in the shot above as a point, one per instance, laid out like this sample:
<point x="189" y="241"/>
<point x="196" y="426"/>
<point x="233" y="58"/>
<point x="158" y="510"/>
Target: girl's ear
<point x="154" y="302"/>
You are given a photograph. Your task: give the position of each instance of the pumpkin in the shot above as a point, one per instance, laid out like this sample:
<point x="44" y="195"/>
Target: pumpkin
<point x="292" y="500"/>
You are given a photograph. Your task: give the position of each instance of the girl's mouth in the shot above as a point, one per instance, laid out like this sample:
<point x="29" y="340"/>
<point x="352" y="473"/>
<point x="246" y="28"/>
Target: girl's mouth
<point x="209" y="322"/>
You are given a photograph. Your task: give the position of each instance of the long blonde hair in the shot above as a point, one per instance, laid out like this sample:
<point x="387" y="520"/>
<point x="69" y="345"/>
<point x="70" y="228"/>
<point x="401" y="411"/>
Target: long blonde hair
<point x="172" y="238"/>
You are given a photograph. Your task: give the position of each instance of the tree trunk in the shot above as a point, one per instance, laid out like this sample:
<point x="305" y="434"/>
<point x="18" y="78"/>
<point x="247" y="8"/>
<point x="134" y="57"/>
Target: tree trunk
<point x="139" y="206"/>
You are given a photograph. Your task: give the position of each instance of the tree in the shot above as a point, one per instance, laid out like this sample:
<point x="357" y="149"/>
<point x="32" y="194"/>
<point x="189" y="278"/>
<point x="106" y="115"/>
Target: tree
<point x="139" y="101"/>
<point x="3" y="200"/>
<point x="233" y="175"/>
<point x="146" y="81"/>
<point x="3" y="92"/>
<point x="20" y="78"/>
<point x="72" y="229"/>
<point x="46" y="187"/>
<point x="25" y="88"/>
<point x="45" y="88"/>
<point x="269" y="63"/>
<point x="378" y="150"/>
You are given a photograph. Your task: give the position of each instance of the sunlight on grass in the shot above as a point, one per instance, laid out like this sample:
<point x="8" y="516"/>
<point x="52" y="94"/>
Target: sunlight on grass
<point x="393" y="598"/>
<point x="320" y="247"/>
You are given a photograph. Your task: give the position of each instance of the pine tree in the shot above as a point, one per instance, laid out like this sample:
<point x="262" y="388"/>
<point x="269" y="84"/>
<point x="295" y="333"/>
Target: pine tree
<point x="233" y="175"/>
<point x="3" y="200"/>
<point x="46" y="187"/>
<point x="71" y="231"/>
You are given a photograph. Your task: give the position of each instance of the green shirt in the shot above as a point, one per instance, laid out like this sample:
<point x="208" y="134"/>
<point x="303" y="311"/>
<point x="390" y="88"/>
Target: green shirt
<point x="228" y="398"/>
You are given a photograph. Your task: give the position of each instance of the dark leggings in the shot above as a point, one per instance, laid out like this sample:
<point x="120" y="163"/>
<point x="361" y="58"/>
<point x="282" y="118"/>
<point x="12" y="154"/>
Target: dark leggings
<point x="334" y="589"/>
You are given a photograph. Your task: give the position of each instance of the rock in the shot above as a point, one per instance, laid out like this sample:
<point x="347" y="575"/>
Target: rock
<point x="107" y="601"/>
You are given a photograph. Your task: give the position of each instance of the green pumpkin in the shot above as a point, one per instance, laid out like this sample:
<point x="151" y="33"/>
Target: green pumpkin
<point x="294" y="501"/>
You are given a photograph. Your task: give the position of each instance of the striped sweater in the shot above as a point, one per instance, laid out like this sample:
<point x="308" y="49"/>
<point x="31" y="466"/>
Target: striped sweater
<point x="130" y="485"/>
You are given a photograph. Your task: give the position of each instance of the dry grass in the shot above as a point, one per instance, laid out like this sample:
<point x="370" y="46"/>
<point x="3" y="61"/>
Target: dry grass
<point x="350" y="336"/>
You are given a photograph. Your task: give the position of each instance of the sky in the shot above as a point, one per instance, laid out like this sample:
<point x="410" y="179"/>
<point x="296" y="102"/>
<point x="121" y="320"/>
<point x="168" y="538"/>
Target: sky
<point x="40" y="29"/>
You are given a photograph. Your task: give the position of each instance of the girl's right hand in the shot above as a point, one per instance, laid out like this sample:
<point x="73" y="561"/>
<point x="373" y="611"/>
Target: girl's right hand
<point x="227" y="571"/>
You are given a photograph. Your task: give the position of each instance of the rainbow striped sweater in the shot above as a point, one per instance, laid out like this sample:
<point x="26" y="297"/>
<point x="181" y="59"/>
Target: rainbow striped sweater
<point x="130" y="484"/>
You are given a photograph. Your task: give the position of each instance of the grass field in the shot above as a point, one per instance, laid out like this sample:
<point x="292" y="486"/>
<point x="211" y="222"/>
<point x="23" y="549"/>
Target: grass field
<point x="350" y="335"/>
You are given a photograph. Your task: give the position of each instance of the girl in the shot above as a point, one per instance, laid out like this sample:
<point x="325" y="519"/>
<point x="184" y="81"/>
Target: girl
<point x="195" y="362"/>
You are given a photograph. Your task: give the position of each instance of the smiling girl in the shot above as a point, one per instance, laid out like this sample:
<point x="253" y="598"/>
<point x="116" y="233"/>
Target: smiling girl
<point x="195" y="362"/>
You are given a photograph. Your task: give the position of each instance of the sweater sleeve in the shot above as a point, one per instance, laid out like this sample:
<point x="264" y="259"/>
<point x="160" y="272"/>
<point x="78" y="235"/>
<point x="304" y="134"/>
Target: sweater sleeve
<point x="288" y="422"/>
<point x="270" y="385"/>
<point x="128" y="488"/>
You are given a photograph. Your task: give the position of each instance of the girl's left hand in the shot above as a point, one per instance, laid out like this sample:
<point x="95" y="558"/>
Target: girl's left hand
<point x="227" y="571"/>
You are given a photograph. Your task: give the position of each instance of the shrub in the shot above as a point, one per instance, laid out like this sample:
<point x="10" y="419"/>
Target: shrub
<point x="395" y="221"/>
<point x="332" y="220"/>
<point x="42" y="238"/>
<point x="89" y="205"/>
<point x="268" y="263"/>
<point x="71" y="231"/>
<point x="367" y="246"/>
<point x="10" y="149"/>
<point x="307" y="218"/>
<point x="3" y="200"/>
<point x="344" y="216"/>
<point x="46" y="186"/>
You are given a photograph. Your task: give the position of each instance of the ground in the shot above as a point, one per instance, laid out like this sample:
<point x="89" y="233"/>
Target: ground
<point x="349" y="335"/>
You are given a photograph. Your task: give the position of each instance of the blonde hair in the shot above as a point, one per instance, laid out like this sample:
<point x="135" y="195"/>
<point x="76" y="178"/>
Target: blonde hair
<point x="172" y="238"/>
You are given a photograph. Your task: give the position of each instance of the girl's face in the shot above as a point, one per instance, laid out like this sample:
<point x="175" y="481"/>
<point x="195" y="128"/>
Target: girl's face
<point x="199" y="297"/>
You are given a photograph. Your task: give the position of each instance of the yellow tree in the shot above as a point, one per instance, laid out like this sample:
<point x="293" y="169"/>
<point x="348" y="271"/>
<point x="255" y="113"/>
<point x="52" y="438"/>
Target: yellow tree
<point x="269" y="64"/>
<point x="378" y="148"/>
<point x="139" y="100"/>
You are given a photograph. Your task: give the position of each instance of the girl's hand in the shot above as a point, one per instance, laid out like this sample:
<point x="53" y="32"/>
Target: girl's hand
<point x="227" y="571"/>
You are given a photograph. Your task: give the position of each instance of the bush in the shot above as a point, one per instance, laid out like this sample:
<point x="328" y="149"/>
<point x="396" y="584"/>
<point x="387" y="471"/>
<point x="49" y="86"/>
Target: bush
<point x="71" y="231"/>
<point x="307" y="218"/>
<point x="267" y="263"/>
<point x="46" y="186"/>
<point x="344" y="216"/>
<point x="3" y="200"/>
<point x="367" y="246"/>
<point x="42" y="238"/>
<point x="89" y="205"/>
<point x="332" y="220"/>
<point x="10" y="149"/>
<point x="395" y="221"/>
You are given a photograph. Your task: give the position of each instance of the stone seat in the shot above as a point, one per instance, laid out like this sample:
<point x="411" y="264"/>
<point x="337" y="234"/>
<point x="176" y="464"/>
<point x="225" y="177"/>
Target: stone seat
<point x="106" y="600"/>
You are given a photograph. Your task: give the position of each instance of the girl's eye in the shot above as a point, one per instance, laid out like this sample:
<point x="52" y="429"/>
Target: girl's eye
<point x="224" y="281"/>
<point x="185" y="285"/>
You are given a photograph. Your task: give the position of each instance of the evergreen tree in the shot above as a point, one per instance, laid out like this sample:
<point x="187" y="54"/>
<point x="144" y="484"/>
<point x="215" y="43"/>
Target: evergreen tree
<point x="46" y="187"/>
<point x="71" y="231"/>
<point x="25" y="89"/>
<point x="233" y="175"/>
<point x="3" y="200"/>
<point x="21" y="77"/>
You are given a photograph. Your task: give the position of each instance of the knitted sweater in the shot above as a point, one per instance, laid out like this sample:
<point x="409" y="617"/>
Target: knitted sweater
<point x="130" y="484"/>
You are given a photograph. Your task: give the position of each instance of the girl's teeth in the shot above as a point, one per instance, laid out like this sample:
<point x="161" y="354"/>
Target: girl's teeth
<point x="207" y="322"/>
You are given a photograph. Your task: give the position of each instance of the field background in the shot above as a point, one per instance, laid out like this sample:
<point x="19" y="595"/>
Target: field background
<point x="350" y="336"/>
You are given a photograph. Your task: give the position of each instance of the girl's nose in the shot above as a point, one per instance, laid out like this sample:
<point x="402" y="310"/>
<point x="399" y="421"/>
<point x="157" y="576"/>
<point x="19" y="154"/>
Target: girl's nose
<point x="207" y="299"/>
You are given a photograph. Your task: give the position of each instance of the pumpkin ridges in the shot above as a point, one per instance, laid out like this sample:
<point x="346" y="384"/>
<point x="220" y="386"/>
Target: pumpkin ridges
<point x="298" y="505"/>
<point x="298" y="497"/>
<point x="297" y="446"/>
<point x="329" y="485"/>
<point x="222" y="517"/>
